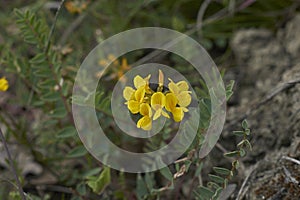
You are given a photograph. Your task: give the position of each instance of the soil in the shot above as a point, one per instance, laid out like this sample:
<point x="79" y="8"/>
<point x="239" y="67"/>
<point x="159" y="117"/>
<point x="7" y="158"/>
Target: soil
<point x="267" y="93"/>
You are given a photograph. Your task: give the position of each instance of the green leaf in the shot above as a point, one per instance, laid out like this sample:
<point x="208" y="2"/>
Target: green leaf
<point x="77" y="152"/>
<point x="236" y="164"/>
<point x="67" y="132"/>
<point x="238" y="133"/>
<point x="149" y="179"/>
<point x="59" y="112"/>
<point x="42" y="72"/>
<point x="213" y="185"/>
<point x="222" y="171"/>
<point x="38" y="58"/>
<point x="98" y="184"/>
<point x="248" y="145"/>
<point x="232" y="154"/>
<point x="81" y="188"/>
<point x="141" y="188"/>
<point x="51" y="96"/>
<point x="205" y="192"/>
<point x="242" y="152"/>
<point x="247" y="131"/>
<point x="47" y="84"/>
<point x="245" y="124"/>
<point x="91" y="172"/>
<point x="166" y="173"/>
<point x="217" y="193"/>
<point x="216" y="179"/>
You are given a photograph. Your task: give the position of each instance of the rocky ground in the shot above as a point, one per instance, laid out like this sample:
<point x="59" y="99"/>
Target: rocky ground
<point x="268" y="95"/>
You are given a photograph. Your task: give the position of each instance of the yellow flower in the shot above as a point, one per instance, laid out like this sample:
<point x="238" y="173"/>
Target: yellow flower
<point x="134" y="105"/>
<point x="76" y="6"/>
<point x="145" y="122"/>
<point x="136" y="97"/>
<point x="158" y="101"/>
<point x="171" y="106"/>
<point x="181" y="92"/>
<point x="3" y="84"/>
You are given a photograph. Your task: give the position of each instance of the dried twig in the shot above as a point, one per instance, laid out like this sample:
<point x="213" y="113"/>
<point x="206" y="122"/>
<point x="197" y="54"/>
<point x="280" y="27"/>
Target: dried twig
<point x="291" y="159"/>
<point x="12" y="167"/>
<point x="288" y="176"/>
<point x="242" y="190"/>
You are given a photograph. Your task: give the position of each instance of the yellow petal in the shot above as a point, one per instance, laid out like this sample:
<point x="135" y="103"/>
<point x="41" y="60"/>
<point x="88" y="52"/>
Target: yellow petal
<point x="158" y="100"/>
<point x="171" y="101"/>
<point x="3" y="84"/>
<point x="165" y="114"/>
<point x="145" y="123"/>
<point x="140" y="94"/>
<point x="133" y="106"/>
<point x="128" y="93"/>
<point x="184" y="98"/>
<point x="145" y="110"/>
<point x="173" y="87"/>
<point x="103" y="62"/>
<point x="139" y="82"/>
<point x="125" y="64"/>
<point x="178" y="114"/>
<point x="185" y="109"/>
<point x="157" y="114"/>
<point x="183" y="85"/>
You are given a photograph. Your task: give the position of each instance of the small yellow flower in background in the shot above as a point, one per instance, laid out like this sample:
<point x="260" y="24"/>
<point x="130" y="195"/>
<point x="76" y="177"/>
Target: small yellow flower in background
<point x="142" y="100"/>
<point x="76" y="6"/>
<point x="3" y="84"/>
<point x="118" y="69"/>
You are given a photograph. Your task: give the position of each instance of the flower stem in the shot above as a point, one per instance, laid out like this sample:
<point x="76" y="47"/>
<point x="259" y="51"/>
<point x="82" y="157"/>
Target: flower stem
<point x="12" y="167"/>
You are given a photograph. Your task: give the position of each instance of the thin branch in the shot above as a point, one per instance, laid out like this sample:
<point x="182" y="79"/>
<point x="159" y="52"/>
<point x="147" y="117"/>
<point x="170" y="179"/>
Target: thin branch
<point x="53" y="26"/>
<point x="242" y="190"/>
<point x="200" y="15"/>
<point x="12" y="167"/>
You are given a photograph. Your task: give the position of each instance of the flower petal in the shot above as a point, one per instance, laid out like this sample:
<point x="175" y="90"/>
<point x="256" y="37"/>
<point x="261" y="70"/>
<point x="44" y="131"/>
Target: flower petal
<point x="158" y="100"/>
<point x="145" y="110"/>
<point x="3" y="84"/>
<point x="140" y="94"/>
<point x="171" y="101"/>
<point x="138" y="82"/>
<point x="133" y="106"/>
<point x="157" y="114"/>
<point x="128" y="93"/>
<point x="165" y="114"/>
<point x="183" y="85"/>
<point x="184" y="98"/>
<point x="178" y="114"/>
<point x="145" y="123"/>
<point x="173" y="87"/>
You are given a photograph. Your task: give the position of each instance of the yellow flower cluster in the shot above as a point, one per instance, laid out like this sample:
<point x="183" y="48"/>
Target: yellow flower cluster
<point x="76" y="6"/>
<point x="3" y="84"/>
<point x="118" y="69"/>
<point x="153" y="104"/>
